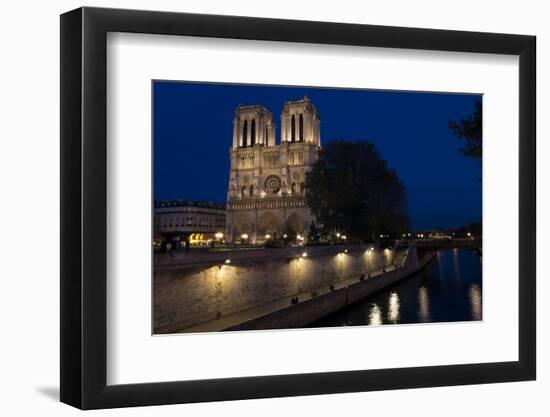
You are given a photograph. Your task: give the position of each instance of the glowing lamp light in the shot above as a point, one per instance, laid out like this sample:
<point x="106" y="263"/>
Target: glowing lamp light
<point x="218" y="235"/>
<point x="372" y="248"/>
<point x="337" y="234"/>
<point x="285" y="235"/>
<point x="268" y="236"/>
<point x="469" y="234"/>
<point x="304" y="254"/>
<point x="345" y="251"/>
<point x="244" y="236"/>
<point x="228" y="261"/>
<point x="344" y="237"/>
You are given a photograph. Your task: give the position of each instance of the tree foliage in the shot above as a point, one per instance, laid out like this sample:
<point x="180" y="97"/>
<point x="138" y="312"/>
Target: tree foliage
<point x="352" y="190"/>
<point x="313" y="235"/>
<point x="469" y="129"/>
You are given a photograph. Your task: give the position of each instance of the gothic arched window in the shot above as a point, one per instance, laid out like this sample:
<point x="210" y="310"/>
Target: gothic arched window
<point x="253" y="132"/>
<point x="266" y="141"/>
<point x="301" y="127"/>
<point x="292" y="158"/>
<point x="245" y="133"/>
<point x="293" y="129"/>
<point x="293" y="188"/>
<point x="243" y="191"/>
<point x="300" y="158"/>
<point x="251" y="190"/>
<point x="302" y="187"/>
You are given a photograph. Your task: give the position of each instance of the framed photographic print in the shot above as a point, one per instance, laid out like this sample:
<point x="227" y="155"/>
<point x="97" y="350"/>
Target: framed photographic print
<point x="258" y="208"/>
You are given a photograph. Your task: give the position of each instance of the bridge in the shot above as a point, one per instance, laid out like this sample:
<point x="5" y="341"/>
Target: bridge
<point x="427" y="244"/>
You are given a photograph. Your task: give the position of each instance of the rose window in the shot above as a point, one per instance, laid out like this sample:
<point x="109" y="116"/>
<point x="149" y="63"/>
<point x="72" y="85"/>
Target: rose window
<point x="272" y="184"/>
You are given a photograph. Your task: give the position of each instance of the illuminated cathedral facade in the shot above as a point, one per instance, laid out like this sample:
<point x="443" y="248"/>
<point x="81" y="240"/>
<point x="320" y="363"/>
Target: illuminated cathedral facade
<point x="266" y="191"/>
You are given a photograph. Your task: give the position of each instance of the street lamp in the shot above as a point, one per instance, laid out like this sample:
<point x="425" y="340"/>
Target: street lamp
<point x="219" y="236"/>
<point x="267" y="236"/>
<point x="244" y="236"/>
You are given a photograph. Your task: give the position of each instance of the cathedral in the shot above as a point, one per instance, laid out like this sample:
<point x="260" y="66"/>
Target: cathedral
<point x="266" y="191"/>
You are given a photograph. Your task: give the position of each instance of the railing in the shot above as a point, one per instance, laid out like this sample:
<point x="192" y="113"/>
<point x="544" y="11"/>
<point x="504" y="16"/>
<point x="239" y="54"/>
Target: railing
<point x="249" y="203"/>
<point x="440" y="243"/>
<point x="236" y="256"/>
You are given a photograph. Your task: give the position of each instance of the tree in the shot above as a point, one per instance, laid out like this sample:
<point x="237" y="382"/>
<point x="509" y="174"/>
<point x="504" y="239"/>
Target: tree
<point x="351" y="190"/>
<point x="313" y="235"/>
<point x="469" y="129"/>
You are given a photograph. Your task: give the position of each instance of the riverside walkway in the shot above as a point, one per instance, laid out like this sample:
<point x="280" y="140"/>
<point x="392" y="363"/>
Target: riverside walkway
<point x="232" y="320"/>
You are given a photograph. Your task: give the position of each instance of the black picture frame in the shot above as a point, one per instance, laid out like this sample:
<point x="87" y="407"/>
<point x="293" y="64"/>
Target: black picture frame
<point x="84" y="207"/>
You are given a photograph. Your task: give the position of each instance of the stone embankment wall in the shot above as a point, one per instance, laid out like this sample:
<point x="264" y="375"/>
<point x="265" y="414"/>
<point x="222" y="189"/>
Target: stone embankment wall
<point x="193" y="288"/>
<point x="303" y="313"/>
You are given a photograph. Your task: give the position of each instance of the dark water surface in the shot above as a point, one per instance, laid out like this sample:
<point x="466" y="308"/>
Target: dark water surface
<point x="448" y="289"/>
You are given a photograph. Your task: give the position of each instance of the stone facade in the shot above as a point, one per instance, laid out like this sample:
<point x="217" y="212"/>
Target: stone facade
<point x="266" y="190"/>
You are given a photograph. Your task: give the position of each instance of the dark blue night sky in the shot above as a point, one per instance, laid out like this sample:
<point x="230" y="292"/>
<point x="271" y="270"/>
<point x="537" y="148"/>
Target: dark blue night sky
<point x="193" y="134"/>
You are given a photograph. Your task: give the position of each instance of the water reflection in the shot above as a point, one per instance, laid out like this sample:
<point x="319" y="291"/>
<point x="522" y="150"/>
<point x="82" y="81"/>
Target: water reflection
<point x="393" y="308"/>
<point x="448" y="289"/>
<point x="475" y="302"/>
<point x="456" y="264"/>
<point x="375" y="316"/>
<point x="424" y="305"/>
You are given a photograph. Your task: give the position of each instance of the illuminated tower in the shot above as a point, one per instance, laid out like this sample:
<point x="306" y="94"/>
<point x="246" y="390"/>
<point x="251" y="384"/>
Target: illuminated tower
<point x="300" y="122"/>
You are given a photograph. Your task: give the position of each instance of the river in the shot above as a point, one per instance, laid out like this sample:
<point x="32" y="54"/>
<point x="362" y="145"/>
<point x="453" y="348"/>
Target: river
<point x="448" y="289"/>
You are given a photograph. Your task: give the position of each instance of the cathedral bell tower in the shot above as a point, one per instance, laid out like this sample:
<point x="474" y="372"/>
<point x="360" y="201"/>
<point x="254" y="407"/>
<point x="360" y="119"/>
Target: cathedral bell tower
<point x="253" y="125"/>
<point x="300" y="122"/>
<point x="253" y="132"/>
